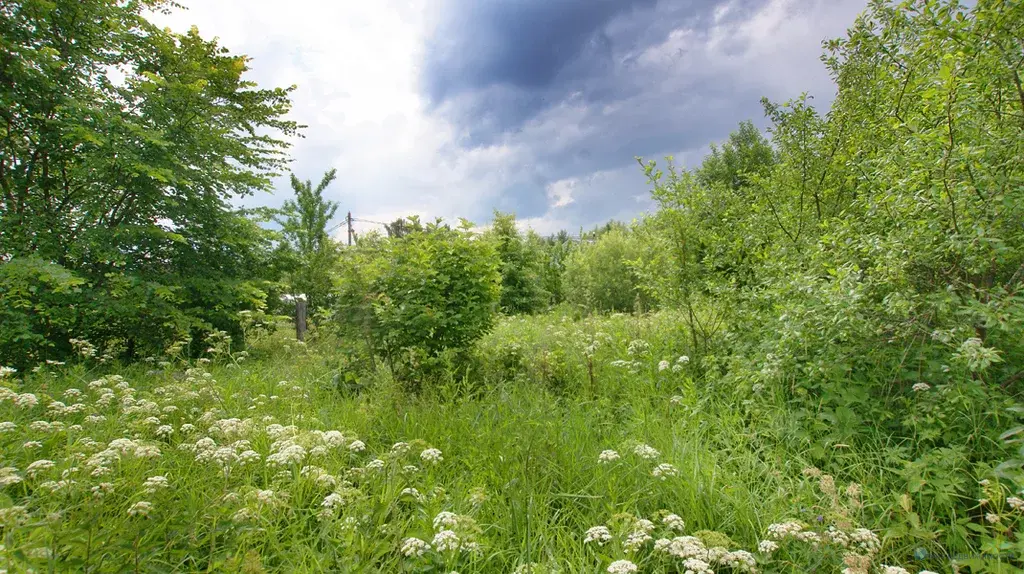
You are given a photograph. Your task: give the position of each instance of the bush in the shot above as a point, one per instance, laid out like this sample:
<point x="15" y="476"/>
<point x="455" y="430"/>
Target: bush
<point x="598" y="275"/>
<point x="421" y="300"/>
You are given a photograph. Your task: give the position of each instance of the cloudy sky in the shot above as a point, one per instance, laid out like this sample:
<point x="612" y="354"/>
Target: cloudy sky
<point x="453" y="108"/>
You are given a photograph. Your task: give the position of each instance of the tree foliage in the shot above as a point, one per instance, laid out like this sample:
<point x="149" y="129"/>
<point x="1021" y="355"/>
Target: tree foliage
<point x="421" y="300"/>
<point x="122" y="147"/>
<point x="313" y="253"/>
<point x="599" y="275"/>
<point x="520" y="266"/>
<point x="882" y="248"/>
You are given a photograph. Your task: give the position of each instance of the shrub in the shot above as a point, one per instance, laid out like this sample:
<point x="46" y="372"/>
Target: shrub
<point x="598" y="276"/>
<point x="419" y="301"/>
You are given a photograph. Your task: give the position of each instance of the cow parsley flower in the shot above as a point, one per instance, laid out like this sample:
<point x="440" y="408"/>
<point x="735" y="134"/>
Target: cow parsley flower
<point x="446" y="540"/>
<point x="645" y="451"/>
<point x="1014" y="502"/>
<point x="622" y="567"/>
<point x="155" y="483"/>
<point x="332" y="500"/>
<point x="697" y="566"/>
<point x="26" y="400"/>
<point x="767" y="546"/>
<point x="921" y="387"/>
<point x="140" y="508"/>
<point x="607" y="456"/>
<point x="636" y="539"/>
<point x="266" y="496"/>
<point x="431" y="455"/>
<point x="357" y="446"/>
<point x="414" y="547"/>
<point x="664" y="471"/>
<point x="38" y="467"/>
<point x="674" y="522"/>
<point x="599" y="534"/>
<point x="445" y="519"/>
<point x="7" y="426"/>
<point x="663" y="365"/>
<point x="9" y="476"/>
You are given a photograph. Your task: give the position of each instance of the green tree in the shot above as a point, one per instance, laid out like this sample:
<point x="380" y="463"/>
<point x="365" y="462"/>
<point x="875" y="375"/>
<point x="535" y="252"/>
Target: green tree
<point x="746" y="153"/>
<point x="420" y="301"/>
<point x="123" y="146"/>
<point x="599" y="275"/>
<point x="520" y="266"/>
<point x="304" y="222"/>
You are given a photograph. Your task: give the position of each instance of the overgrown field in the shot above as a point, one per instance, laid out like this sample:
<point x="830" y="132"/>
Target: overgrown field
<point x="589" y="444"/>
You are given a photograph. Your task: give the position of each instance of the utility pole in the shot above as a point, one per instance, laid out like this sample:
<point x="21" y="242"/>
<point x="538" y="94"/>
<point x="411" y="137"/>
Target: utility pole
<point x="348" y="219"/>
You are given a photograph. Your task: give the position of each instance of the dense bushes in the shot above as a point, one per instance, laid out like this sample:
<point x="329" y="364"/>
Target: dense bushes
<point x="598" y="275"/>
<point x="878" y="259"/>
<point x="420" y="300"/>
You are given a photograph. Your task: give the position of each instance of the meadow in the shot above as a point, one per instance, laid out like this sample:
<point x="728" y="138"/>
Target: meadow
<point x="261" y="460"/>
<point x="807" y="357"/>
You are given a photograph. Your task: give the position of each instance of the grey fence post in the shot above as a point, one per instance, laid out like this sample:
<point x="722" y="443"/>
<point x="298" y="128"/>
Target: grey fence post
<point x="300" y="319"/>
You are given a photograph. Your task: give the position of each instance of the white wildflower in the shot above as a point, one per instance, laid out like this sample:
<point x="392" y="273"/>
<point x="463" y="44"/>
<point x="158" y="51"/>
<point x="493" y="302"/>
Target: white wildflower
<point x="445" y="519"/>
<point x="155" y="483"/>
<point x="645" y="451"/>
<point x="664" y="471"/>
<point x="140" y="508"/>
<point x="674" y="522"/>
<point x="446" y="540"/>
<point x="414" y="547"/>
<point x="599" y="534"/>
<point x="39" y="466"/>
<point x="26" y="400"/>
<point x="431" y="455"/>
<point x="607" y="456"/>
<point x="622" y="567"/>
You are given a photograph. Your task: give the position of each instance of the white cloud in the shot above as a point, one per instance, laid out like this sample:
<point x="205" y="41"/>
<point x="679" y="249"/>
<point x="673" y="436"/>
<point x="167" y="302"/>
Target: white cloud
<point x="356" y="65"/>
<point x="560" y="192"/>
<point x="356" y="68"/>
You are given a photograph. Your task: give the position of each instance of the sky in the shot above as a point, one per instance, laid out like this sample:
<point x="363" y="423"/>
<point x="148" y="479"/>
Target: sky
<point x="455" y="108"/>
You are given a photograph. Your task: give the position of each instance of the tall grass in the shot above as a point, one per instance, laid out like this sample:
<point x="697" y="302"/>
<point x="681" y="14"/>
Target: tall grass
<point x="520" y="434"/>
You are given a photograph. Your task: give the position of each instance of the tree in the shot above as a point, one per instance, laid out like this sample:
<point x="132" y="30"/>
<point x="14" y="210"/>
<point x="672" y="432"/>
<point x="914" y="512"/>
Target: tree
<point x="401" y="227"/>
<point x="420" y="301"/>
<point x="123" y="146"/>
<point x="747" y="152"/>
<point x="304" y="225"/>
<point x="520" y="266"/>
<point x="599" y="276"/>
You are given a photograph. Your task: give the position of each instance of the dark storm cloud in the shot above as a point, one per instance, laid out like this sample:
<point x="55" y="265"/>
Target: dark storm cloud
<point x="587" y="85"/>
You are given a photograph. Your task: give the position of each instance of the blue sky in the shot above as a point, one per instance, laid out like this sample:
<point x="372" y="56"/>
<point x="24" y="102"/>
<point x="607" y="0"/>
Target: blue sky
<point x="449" y="108"/>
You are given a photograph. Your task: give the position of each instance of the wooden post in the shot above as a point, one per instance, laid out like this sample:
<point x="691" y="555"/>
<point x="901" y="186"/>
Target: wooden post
<point x="348" y="219"/>
<point x="300" y="318"/>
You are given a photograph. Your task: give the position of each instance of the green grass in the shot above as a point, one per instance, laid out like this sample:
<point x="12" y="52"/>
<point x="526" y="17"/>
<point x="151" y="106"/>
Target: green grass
<point x="520" y="438"/>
